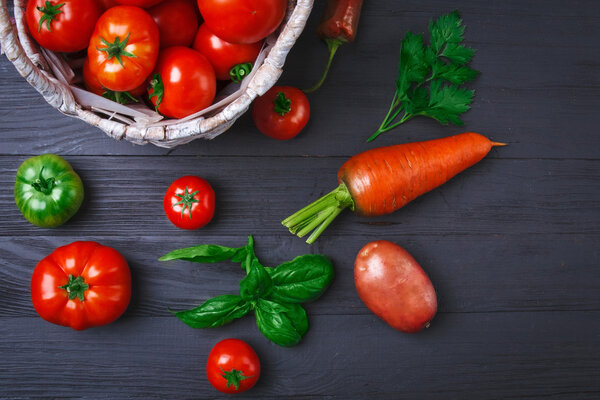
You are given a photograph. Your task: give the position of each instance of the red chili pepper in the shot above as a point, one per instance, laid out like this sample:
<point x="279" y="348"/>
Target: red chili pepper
<point x="338" y="25"/>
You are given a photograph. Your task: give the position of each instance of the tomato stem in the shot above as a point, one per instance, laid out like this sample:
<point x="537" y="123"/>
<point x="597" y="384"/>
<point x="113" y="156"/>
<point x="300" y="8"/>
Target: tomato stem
<point x="158" y="90"/>
<point x="49" y="12"/>
<point x="187" y="200"/>
<point x="42" y="185"/>
<point x="119" y="97"/>
<point x="116" y="49"/>
<point x="240" y="71"/>
<point x="332" y="46"/>
<point x="234" y="377"/>
<point x="317" y="216"/>
<point x="75" y="287"/>
<point x="282" y="104"/>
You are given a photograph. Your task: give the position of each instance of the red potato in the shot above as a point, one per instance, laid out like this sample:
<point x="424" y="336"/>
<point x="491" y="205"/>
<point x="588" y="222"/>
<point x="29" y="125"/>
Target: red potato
<point x="394" y="286"/>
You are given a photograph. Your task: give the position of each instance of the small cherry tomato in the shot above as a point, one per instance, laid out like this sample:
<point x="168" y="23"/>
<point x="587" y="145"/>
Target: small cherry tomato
<point x="81" y="285"/>
<point x="62" y="25"/>
<point x="242" y="21"/>
<point x="139" y="3"/>
<point x="230" y="60"/>
<point x="183" y="82"/>
<point x="189" y="202"/>
<point x="233" y="366"/>
<point x="177" y="22"/>
<point x="92" y="84"/>
<point x="281" y="113"/>
<point x="123" y="48"/>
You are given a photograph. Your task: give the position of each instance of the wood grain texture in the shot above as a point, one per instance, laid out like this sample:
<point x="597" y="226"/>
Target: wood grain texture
<point x="497" y="355"/>
<point x="512" y="245"/>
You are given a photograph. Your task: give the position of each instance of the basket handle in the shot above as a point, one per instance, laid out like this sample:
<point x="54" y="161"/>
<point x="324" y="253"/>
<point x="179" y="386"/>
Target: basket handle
<point x="55" y="93"/>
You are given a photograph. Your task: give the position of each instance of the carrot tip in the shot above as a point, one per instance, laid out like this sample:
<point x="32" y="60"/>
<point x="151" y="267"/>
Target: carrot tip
<point x="494" y="144"/>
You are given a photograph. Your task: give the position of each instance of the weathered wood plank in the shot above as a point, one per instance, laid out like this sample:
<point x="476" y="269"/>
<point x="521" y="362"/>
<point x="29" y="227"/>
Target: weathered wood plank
<point x="538" y="83"/>
<point x="124" y="197"/>
<point x="497" y="355"/>
<point x="471" y="274"/>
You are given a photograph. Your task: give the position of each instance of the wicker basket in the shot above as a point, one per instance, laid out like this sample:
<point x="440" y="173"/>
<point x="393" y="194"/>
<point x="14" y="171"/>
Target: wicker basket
<point x="55" y="77"/>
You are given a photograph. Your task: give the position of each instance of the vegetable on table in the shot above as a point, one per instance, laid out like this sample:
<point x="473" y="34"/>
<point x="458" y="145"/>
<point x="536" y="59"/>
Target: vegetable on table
<point x="231" y="61"/>
<point x="183" y="82"/>
<point x="382" y="180"/>
<point x="274" y="294"/>
<point x="394" y="286"/>
<point x="177" y="22"/>
<point x="47" y="190"/>
<point x="81" y="285"/>
<point x="242" y="21"/>
<point x="123" y="48"/>
<point x="338" y="26"/>
<point x="62" y="25"/>
<point x="429" y="77"/>
<point x="281" y="113"/>
<point x="189" y="202"/>
<point x="233" y="366"/>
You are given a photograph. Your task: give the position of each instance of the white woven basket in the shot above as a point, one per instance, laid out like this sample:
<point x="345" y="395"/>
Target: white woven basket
<point x="53" y="76"/>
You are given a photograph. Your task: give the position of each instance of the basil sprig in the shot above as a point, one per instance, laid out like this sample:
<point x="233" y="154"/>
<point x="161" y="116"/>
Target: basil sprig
<point x="274" y="294"/>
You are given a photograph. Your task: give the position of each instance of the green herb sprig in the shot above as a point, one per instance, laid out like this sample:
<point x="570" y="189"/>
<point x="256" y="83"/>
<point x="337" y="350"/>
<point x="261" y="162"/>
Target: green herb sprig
<point x="430" y="76"/>
<point x="274" y="294"/>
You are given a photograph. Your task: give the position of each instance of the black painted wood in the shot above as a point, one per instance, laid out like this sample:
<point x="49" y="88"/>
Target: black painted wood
<point x="511" y="245"/>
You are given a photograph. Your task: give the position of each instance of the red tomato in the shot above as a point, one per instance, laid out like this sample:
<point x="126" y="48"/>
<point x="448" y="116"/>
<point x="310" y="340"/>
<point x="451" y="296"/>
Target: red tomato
<point x="139" y="3"/>
<point x="230" y="61"/>
<point x="189" y="202"/>
<point x="92" y="84"/>
<point x="62" y="25"/>
<point x="123" y="48"/>
<point x="281" y="113"/>
<point x="233" y="366"/>
<point x="394" y="286"/>
<point x="177" y="22"/>
<point x="183" y="82"/>
<point x="81" y="285"/>
<point x="242" y="21"/>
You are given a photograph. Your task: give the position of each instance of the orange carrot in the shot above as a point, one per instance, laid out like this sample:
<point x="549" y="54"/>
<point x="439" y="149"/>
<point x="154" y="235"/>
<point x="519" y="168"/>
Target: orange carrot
<point x="382" y="180"/>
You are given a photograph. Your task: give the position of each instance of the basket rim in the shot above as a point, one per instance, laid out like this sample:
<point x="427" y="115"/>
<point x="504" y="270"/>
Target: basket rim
<point x="23" y="53"/>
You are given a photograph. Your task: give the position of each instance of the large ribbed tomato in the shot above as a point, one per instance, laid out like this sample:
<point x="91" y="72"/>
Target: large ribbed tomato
<point x="81" y="285"/>
<point x="123" y="48"/>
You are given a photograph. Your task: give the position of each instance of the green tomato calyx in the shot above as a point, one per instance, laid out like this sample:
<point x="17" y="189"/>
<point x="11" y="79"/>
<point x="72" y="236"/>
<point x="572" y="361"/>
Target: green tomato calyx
<point x="240" y="71"/>
<point x="187" y="200"/>
<point x="116" y="49"/>
<point x="42" y="185"/>
<point x="49" y="12"/>
<point x="75" y="287"/>
<point x="234" y="377"/>
<point x="282" y="104"/>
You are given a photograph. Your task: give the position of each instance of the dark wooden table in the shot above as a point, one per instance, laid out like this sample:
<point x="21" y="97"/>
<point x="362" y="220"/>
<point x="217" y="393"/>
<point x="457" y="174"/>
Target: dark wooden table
<point x="512" y="245"/>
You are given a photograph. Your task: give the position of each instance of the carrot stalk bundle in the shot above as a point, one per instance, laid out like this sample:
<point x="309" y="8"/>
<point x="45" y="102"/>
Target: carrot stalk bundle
<point x="382" y="180"/>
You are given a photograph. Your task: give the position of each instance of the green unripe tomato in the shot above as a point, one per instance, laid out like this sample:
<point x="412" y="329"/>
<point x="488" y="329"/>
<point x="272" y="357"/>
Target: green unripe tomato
<point x="47" y="190"/>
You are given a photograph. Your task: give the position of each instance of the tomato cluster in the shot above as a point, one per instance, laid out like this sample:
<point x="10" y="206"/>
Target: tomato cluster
<point x="174" y="51"/>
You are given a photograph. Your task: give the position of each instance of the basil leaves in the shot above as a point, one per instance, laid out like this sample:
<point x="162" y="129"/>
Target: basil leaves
<point x="274" y="294"/>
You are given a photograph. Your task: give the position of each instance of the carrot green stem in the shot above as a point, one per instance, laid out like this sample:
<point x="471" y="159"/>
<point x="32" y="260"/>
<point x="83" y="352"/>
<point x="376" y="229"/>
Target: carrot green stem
<point x="332" y="46"/>
<point x="319" y="214"/>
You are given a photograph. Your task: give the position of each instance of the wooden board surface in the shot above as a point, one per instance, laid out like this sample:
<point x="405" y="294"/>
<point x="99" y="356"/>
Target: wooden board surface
<point x="512" y="245"/>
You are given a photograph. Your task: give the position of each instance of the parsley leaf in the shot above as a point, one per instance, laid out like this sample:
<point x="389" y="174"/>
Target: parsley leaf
<point x="429" y="77"/>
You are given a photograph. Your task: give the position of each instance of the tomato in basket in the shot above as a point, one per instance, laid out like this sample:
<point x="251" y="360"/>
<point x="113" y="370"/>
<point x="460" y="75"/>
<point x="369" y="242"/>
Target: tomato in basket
<point x="230" y="60"/>
<point x="183" y="82"/>
<point x="139" y="3"/>
<point x="92" y="84"/>
<point x="123" y="48"/>
<point x="242" y="21"/>
<point x="177" y="22"/>
<point x="62" y="25"/>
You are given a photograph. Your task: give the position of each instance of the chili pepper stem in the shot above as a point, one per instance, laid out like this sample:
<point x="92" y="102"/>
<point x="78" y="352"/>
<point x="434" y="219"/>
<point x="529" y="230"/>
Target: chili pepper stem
<point x="332" y="46"/>
<point x="317" y="216"/>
